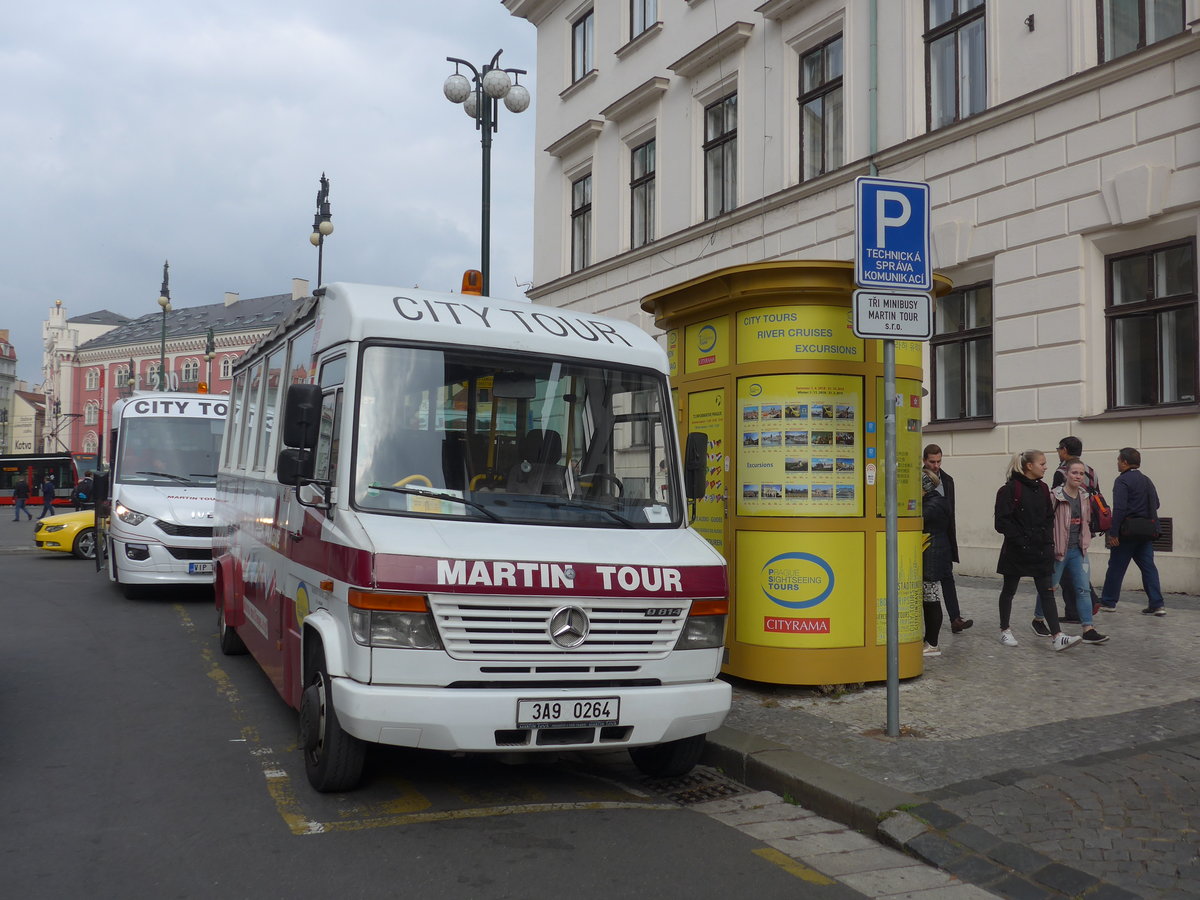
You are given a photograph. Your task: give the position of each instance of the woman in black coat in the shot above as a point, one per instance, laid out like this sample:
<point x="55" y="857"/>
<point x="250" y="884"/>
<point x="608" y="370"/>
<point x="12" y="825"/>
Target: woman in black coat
<point x="1025" y="516"/>
<point x="937" y="558"/>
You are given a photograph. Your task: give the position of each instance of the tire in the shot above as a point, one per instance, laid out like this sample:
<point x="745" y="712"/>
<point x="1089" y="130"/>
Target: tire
<point x="333" y="759"/>
<point x="669" y="760"/>
<point x="131" y="591"/>
<point x="231" y="644"/>
<point x="85" y="544"/>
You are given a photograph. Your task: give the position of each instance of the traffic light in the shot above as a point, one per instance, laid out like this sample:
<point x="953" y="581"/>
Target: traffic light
<point x="57" y="408"/>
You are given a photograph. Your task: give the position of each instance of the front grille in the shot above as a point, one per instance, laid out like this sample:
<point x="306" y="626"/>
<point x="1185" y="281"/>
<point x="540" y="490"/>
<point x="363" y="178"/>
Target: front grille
<point x="195" y="531"/>
<point x="503" y="627"/>
<point x="190" y="552"/>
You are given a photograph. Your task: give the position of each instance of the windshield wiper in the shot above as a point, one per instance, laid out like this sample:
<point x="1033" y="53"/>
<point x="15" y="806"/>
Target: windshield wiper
<point x="463" y="500"/>
<point x="575" y="504"/>
<point x="178" y="478"/>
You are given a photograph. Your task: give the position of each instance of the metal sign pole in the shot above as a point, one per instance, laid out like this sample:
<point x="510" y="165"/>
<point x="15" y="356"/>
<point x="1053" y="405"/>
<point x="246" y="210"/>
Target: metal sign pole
<point x="893" y="604"/>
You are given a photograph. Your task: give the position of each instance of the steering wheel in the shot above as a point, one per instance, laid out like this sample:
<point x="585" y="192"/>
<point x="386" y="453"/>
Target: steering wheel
<point x="593" y="480"/>
<point x="403" y="481"/>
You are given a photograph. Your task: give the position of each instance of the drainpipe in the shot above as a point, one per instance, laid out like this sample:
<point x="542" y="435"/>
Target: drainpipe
<point x="873" y="91"/>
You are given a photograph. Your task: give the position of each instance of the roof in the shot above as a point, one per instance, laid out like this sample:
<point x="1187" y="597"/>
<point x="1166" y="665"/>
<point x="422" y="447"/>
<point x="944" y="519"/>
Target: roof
<point x="100" y="317"/>
<point x="248" y="314"/>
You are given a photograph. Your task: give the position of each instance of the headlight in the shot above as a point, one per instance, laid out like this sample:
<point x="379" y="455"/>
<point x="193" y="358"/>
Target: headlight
<point x="384" y="628"/>
<point x="127" y="515"/>
<point x="55" y="527"/>
<point x="702" y="633"/>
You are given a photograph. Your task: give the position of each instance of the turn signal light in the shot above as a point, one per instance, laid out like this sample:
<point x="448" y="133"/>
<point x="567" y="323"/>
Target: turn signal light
<point x="709" y="608"/>
<point x="379" y="600"/>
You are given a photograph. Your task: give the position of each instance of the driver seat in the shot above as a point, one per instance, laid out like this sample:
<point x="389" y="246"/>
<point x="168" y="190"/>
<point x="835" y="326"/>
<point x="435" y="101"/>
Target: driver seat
<point x="538" y="471"/>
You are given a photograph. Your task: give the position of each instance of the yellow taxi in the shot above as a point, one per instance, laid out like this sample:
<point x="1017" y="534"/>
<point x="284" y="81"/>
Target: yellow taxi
<point x="73" y="532"/>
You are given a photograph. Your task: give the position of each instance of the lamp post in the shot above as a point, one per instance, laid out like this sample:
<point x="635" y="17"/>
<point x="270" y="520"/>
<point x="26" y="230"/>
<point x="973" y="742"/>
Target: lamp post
<point x="478" y="95"/>
<point x="210" y="350"/>
<point x="164" y="300"/>
<point x="322" y="227"/>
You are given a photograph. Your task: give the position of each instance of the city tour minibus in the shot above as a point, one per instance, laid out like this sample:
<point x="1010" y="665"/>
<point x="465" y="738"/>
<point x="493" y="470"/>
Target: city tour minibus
<point x="442" y="522"/>
<point x="161" y="487"/>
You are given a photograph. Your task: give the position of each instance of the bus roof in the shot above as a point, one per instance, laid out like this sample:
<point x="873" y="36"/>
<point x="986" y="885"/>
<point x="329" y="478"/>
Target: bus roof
<point x="354" y="312"/>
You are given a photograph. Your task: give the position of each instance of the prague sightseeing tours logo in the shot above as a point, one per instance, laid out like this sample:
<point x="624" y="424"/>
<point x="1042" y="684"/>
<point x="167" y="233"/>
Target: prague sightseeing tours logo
<point x="755" y="390"/>
<point x="797" y="580"/>
<point x="706" y="340"/>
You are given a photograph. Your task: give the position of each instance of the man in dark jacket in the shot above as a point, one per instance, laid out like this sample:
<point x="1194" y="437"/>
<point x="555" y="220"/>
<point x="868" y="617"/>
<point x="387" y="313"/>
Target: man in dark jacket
<point x="48" y="490"/>
<point x="20" y="498"/>
<point x="933" y="460"/>
<point x="1134" y="498"/>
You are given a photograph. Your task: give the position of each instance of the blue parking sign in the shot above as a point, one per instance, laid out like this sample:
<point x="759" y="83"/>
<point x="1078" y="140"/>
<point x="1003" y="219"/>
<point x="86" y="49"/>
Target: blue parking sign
<point x="891" y="247"/>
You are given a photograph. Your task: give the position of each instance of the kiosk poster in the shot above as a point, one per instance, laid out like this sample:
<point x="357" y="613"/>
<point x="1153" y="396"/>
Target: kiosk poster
<point x="673" y="351"/>
<point x="908" y="448"/>
<point x="798" y="332"/>
<point x="800" y="589"/>
<point x="706" y="413"/>
<point x="706" y="345"/>
<point x="908" y="353"/>
<point x="800" y="445"/>
<point x="908" y="586"/>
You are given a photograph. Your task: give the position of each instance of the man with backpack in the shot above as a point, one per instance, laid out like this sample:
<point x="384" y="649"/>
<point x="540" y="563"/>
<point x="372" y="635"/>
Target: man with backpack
<point x="1068" y="448"/>
<point x="83" y="491"/>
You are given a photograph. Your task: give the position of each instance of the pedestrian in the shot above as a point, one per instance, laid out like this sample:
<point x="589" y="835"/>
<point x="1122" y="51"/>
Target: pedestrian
<point x="20" y="498"/>
<point x="82" y="493"/>
<point x="47" y="497"/>
<point x="1069" y="448"/>
<point x="935" y="560"/>
<point x="1025" y="516"/>
<point x="932" y="460"/>
<point x="1134" y="527"/>
<point x="1072" y="534"/>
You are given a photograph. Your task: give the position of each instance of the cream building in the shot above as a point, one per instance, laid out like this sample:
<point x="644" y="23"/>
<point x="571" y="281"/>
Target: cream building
<point x="1060" y="142"/>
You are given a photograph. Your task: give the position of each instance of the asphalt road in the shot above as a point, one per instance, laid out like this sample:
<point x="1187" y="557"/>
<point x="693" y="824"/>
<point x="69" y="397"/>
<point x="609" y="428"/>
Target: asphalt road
<point x="140" y="762"/>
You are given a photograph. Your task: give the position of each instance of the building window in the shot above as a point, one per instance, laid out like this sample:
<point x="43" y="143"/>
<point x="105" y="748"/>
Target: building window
<point x="90" y="443"/>
<point x="1128" y="25"/>
<point x="720" y="156"/>
<point x="581" y="222"/>
<point x="642" y="14"/>
<point x="1151" y="318"/>
<point x="955" y="60"/>
<point x="92" y="380"/>
<point x="121" y="377"/>
<point x="961" y="348"/>
<point x="641" y="195"/>
<point x="191" y="371"/>
<point x="821" y="109"/>
<point x="583" y="54"/>
<point x="91" y="413"/>
<point x="227" y="366"/>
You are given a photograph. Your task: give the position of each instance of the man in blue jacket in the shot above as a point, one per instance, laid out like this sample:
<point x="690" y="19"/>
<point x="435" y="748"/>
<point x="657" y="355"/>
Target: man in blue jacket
<point x="1135" y="506"/>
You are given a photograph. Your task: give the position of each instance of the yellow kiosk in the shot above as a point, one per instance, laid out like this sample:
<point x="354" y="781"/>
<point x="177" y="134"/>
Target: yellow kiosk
<point x="764" y="360"/>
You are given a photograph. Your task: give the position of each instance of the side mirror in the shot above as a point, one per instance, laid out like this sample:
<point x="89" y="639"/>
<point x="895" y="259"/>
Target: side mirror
<point x="295" y="466"/>
<point x="302" y="416"/>
<point x="695" y="465"/>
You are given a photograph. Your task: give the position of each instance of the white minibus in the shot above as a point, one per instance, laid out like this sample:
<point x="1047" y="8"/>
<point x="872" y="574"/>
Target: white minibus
<point x="442" y="522"/>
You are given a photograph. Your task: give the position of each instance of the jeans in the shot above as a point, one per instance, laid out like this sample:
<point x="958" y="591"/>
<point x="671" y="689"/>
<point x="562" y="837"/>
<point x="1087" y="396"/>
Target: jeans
<point x="1076" y="563"/>
<point x="950" y="598"/>
<point x="19" y="507"/>
<point x="1142" y="553"/>
<point x="1045" y="591"/>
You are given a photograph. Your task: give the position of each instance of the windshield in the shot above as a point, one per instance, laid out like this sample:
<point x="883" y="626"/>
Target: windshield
<point x="499" y="438"/>
<point x="169" y="450"/>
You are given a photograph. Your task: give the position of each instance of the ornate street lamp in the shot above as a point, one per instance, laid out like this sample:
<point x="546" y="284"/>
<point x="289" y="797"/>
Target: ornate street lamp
<point x="210" y="350"/>
<point x="164" y="300"/>
<point x="478" y="95"/>
<point x="322" y="227"/>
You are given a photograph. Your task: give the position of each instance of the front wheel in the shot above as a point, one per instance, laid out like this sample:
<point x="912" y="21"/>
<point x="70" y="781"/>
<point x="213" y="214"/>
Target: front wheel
<point x="669" y="760"/>
<point x="131" y="591"/>
<point x="85" y="544"/>
<point x="230" y="643"/>
<point x="333" y="759"/>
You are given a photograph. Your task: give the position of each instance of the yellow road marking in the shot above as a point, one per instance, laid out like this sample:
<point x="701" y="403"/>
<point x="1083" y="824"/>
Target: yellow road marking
<point x="791" y="866"/>
<point x="399" y="810"/>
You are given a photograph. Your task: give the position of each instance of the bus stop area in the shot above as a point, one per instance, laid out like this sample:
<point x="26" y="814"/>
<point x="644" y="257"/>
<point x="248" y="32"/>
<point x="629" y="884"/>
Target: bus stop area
<point x="1023" y="771"/>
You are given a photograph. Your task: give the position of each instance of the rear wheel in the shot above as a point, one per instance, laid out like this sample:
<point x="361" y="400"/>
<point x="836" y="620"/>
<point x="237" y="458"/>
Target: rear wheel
<point x="333" y="759"/>
<point x="231" y="644"/>
<point x="668" y="760"/>
<point x="85" y="544"/>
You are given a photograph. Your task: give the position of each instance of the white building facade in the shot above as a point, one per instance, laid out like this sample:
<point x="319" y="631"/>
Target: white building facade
<point x="1059" y="139"/>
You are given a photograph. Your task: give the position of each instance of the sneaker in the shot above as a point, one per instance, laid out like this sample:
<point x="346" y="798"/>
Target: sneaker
<point x="958" y="626"/>
<point x="1007" y="639"/>
<point x="1104" y="608"/>
<point x="930" y="650"/>
<point x="1154" y="611"/>
<point x="1040" y="627"/>
<point x="1066" y="641"/>
<point x="1092" y="636"/>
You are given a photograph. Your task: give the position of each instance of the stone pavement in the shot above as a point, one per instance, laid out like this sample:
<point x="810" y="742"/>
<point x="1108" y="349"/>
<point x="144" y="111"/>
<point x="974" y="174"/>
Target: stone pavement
<point x="1022" y="771"/>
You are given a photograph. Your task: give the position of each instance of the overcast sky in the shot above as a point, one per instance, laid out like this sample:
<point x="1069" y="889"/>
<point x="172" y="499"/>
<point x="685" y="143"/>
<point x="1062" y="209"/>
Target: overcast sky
<point x="138" y="131"/>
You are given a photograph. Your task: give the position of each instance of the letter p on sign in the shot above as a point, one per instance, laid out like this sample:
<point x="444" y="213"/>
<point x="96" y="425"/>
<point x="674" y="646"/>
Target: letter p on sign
<point x="899" y="204"/>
